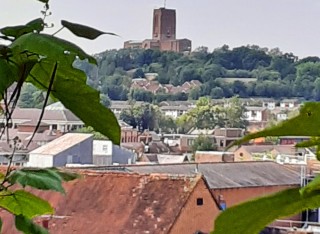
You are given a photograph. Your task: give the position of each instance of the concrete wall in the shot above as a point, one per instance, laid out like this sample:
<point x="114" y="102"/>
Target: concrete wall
<point x="102" y="160"/>
<point x="81" y="154"/>
<point x="40" y="160"/>
<point x="102" y="147"/>
<point x="122" y="155"/>
<point x="194" y="217"/>
<point x="242" y="155"/>
<point x="213" y="156"/>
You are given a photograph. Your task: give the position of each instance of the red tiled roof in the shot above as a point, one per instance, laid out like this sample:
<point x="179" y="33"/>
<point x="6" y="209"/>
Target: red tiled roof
<point x="116" y="203"/>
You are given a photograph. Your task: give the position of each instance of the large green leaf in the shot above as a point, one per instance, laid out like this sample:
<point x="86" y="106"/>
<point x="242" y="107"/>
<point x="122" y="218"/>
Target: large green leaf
<point x="36" y="25"/>
<point x="89" y="108"/>
<point x="27" y="226"/>
<point x="66" y="175"/>
<point x="69" y="84"/>
<point x="251" y="217"/>
<point x="313" y="186"/>
<point x="44" y="179"/>
<point x="21" y="202"/>
<point x="9" y="74"/>
<point x="51" y="47"/>
<point x="84" y="31"/>
<point x="305" y="124"/>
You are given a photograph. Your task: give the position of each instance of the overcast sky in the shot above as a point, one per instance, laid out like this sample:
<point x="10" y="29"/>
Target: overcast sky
<point x="291" y="25"/>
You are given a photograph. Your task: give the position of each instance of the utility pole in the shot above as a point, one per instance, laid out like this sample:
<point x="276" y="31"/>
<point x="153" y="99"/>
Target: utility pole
<point x="165" y="1"/>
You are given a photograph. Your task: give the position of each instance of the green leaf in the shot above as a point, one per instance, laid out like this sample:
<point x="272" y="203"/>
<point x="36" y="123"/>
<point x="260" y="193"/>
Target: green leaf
<point x="8" y="74"/>
<point x="240" y="219"/>
<point x="1" y="225"/>
<point x="27" y="226"/>
<point x="313" y="186"/>
<point x="69" y="83"/>
<point x="305" y="124"/>
<point x="85" y="103"/>
<point x="44" y="179"/>
<point x="84" y="31"/>
<point x="65" y="175"/>
<point x="21" y="202"/>
<point x="36" y="25"/>
<point x="51" y="47"/>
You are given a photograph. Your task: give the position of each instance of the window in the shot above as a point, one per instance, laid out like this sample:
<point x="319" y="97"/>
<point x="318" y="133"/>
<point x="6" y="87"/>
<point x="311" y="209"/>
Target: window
<point x="199" y="201"/>
<point x="105" y="148"/>
<point x="190" y="141"/>
<point x="254" y="113"/>
<point x="69" y="159"/>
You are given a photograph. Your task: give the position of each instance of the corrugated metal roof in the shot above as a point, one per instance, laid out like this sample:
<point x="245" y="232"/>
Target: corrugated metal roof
<point x="230" y="175"/>
<point x="62" y="143"/>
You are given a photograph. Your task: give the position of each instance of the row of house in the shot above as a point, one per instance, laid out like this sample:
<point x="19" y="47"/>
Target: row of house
<point x="174" y="198"/>
<point x="155" y="87"/>
<point x="257" y="112"/>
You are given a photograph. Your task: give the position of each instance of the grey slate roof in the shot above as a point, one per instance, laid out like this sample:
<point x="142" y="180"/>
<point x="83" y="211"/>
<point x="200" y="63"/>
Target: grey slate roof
<point x="229" y="175"/>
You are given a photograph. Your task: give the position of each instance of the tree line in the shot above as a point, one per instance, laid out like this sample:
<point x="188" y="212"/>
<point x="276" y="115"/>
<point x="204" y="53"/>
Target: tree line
<point x="277" y="74"/>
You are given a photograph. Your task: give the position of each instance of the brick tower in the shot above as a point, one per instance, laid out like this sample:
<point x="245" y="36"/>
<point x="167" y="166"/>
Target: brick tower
<point x="164" y="24"/>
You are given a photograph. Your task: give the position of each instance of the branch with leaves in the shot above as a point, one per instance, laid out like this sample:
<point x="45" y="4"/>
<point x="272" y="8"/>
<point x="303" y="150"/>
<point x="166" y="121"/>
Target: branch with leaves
<point x="239" y="219"/>
<point x="46" y="62"/>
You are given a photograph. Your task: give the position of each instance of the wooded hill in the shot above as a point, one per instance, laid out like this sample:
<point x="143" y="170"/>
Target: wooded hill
<point x="224" y="72"/>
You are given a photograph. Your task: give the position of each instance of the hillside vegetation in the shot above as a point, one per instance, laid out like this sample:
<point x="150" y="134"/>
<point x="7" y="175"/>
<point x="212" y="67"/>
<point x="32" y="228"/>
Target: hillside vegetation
<point x="223" y="73"/>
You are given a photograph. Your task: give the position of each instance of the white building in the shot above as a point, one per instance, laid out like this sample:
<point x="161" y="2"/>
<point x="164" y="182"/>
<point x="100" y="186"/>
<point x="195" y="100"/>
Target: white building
<point x="256" y="114"/>
<point x="289" y="103"/>
<point x="105" y="153"/>
<point x="174" y="111"/>
<point x="71" y="148"/>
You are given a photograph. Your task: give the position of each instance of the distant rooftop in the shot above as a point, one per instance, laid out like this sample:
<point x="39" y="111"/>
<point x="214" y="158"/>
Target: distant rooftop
<point x="62" y="143"/>
<point x="56" y="106"/>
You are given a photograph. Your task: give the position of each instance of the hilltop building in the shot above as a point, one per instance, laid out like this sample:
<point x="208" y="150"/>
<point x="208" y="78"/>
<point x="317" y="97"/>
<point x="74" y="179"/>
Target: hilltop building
<point x="163" y="34"/>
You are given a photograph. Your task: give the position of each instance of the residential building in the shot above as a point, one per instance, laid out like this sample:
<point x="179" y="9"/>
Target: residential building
<point x="270" y="104"/>
<point x="128" y="133"/>
<point x="119" y="202"/>
<point x="226" y="136"/>
<point x="56" y="116"/>
<point x="174" y="111"/>
<point x="289" y="103"/>
<point x="292" y="140"/>
<point x="277" y="153"/>
<point x="234" y="183"/>
<point x="71" y="148"/>
<point x="256" y="114"/>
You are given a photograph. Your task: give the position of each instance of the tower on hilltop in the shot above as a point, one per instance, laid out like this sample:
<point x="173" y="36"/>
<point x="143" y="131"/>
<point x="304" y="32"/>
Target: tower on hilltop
<point x="163" y="34"/>
<point x="164" y="24"/>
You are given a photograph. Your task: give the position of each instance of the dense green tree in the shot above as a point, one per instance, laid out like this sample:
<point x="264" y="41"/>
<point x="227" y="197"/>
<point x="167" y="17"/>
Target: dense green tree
<point x="316" y="94"/>
<point x="194" y="93"/>
<point x="31" y="97"/>
<point x="141" y="116"/>
<point x="234" y="113"/>
<point x="141" y="95"/>
<point x="217" y="93"/>
<point x="269" y="66"/>
<point x="138" y="73"/>
<point x="211" y="72"/>
<point x="204" y="143"/>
